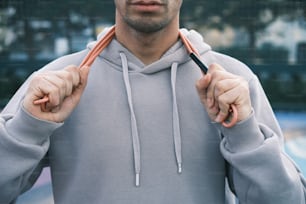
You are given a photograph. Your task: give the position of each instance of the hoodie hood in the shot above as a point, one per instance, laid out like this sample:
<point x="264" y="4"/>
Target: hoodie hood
<point x="177" y="53"/>
<point x="124" y="60"/>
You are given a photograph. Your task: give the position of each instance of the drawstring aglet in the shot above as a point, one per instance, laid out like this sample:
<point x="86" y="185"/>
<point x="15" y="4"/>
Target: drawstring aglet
<point x="179" y="169"/>
<point x="137" y="180"/>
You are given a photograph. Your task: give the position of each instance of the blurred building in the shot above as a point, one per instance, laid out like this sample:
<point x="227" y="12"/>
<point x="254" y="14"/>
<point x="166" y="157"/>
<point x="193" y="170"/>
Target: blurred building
<point x="289" y="35"/>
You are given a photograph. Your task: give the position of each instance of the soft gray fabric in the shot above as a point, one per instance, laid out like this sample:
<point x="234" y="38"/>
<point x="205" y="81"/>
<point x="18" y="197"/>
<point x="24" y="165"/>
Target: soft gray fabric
<point x="134" y="117"/>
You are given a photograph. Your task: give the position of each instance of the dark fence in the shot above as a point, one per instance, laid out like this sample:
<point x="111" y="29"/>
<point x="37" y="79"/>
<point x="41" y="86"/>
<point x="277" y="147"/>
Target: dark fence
<point x="285" y="85"/>
<point x="13" y="74"/>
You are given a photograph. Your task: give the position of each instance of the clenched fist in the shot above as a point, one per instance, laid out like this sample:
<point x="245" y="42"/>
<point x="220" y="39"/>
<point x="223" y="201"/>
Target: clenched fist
<point x="63" y="89"/>
<point x="219" y="89"/>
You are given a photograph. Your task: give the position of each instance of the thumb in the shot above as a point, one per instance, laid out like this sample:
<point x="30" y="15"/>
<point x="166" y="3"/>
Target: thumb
<point x="84" y="72"/>
<point x="202" y="85"/>
<point x="78" y="91"/>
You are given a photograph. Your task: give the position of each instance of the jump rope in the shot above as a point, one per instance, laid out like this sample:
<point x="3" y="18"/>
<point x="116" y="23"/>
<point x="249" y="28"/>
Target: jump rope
<point x="230" y="121"/>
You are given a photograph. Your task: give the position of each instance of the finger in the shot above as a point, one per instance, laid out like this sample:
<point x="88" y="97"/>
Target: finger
<point x="225" y="100"/>
<point x="78" y="91"/>
<point x="201" y="86"/>
<point x="215" y="67"/>
<point x="83" y="73"/>
<point x="45" y="88"/>
<point x="225" y="85"/>
<point x="64" y="82"/>
<point x="232" y="119"/>
<point x="74" y="76"/>
<point x="217" y="73"/>
<point x="71" y="76"/>
<point x="45" y="99"/>
<point x="213" y="111"/>
<point x="224" y="96"/>
<point x="59" y="88"/>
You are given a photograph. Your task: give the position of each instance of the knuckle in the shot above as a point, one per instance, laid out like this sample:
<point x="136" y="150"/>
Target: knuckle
<point x="244" y="86"/>
<point x="74" y="76"/>
<point x="37" y="77"/>
<point x="62" y="84"/>
<point x="214" y="74"/>
<point x="54" y="96"/>
<point x="219" y="86"/>
<point x="35" y="80"/>
<point x="67" y="75"/>
<point x="221" y="100"/>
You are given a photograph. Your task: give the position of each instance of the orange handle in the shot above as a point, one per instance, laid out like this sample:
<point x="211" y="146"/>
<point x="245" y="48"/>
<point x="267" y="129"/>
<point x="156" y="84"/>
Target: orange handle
<point x="232" y="119"/>
<point x="87" y="61"/>
<point x="103" y="43"/>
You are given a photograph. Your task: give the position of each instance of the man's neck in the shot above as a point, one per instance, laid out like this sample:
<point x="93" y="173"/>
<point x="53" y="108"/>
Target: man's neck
<point x="147" y="47"/>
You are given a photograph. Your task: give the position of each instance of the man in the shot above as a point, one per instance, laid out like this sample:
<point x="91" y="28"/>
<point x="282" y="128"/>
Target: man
<point x="134" y="128"/>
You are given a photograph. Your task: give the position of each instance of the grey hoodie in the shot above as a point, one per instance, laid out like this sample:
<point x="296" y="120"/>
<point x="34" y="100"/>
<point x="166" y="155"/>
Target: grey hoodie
<point x="138" y="124"/>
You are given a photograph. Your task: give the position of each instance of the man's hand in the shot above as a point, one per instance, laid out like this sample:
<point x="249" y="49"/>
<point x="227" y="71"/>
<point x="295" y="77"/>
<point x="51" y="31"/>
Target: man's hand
<point x="218" y="89"/>
<point x="63" y="88"/>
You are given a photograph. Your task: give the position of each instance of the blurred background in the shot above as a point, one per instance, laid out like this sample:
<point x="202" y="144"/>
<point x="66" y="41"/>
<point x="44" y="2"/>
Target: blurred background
<point x="267" y="35"/>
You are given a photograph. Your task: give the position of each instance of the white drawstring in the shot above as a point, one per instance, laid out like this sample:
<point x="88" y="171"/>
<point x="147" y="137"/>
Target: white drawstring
<point x="175" y="120"/>
<point x="135" y="136"/>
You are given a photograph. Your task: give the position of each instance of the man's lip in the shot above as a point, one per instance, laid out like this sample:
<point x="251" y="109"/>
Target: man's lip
<point x="146" y="6"/>
<point x="146" y="3"/>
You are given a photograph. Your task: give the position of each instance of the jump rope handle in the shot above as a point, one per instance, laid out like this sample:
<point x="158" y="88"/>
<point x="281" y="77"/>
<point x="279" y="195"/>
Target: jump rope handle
<point x="232" y="118"/>
<point x="230" y="121"/>
<point x="87" y="61"/>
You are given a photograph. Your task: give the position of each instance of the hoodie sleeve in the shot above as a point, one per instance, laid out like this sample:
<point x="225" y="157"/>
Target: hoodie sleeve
<point x="24" y="141"/>
<point x="260" y="171"/>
